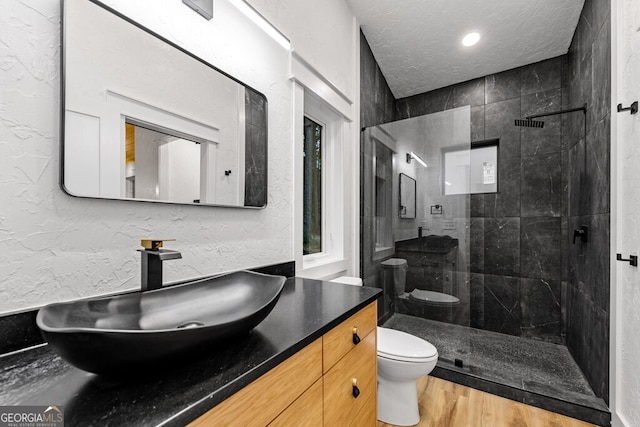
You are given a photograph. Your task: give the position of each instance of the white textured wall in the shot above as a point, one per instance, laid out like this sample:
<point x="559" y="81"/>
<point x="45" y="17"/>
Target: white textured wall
<point x="321" y="32"/>
<point x="627" y="209"/>
<point x="54" y="247"/>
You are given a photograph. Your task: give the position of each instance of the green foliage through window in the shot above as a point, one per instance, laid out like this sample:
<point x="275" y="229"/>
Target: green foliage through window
<point x="312" y="195"/>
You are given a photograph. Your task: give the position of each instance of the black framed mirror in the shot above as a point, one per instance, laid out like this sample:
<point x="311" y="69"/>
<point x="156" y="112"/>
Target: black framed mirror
<point x="407" y="197"/>
<point x="143" y="119"/>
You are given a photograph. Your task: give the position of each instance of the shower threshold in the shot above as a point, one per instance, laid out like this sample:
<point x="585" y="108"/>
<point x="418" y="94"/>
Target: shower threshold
<point x="530" y="371"/>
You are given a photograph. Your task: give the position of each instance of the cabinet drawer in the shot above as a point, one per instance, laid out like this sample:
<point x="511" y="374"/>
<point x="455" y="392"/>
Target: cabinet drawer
<point x="368" y="415"/>
<point x="306" y="411"/>
<point x="340" y="407"/>
<point x="338" y="341"/>
<point x="264" y="399"/>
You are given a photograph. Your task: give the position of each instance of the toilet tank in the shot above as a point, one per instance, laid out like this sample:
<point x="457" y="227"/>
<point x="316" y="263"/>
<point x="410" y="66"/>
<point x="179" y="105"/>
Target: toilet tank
<point x="395" y="270"/>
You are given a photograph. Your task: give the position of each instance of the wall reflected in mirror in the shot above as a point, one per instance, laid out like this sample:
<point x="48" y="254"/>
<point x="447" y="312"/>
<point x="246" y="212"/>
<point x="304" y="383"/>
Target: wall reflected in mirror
<point x="146" y="120"/>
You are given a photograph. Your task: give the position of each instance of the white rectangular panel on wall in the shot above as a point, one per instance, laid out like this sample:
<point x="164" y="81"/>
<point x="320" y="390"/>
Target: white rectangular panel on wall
<point x="82" y="154"/>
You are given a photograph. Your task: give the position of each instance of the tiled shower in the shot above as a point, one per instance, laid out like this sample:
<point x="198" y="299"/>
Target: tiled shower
<point x="525" y="276"/>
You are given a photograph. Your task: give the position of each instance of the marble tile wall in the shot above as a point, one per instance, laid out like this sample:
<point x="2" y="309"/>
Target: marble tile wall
<point x="527" y="277"/>
<point x="515" y="252"/>
<point x="377" y="105"/>
<point x="585" y="273"/>
<point x="255" y="193"/>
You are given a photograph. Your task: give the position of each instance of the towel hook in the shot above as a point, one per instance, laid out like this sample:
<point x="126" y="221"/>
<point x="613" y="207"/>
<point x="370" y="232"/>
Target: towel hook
<point x="633" y="108"/>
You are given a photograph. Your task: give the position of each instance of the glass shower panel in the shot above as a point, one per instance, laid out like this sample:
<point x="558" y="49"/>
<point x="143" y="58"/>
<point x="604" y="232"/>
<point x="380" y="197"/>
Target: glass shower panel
<point x="430" y="249"/>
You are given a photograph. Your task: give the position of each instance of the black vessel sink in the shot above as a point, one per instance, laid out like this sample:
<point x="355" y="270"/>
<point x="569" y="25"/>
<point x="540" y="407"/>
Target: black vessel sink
<point x="140" y="330"/>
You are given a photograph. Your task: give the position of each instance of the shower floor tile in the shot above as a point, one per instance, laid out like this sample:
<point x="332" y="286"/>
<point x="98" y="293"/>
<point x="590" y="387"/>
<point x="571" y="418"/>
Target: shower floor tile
<point x="530" y="365"/>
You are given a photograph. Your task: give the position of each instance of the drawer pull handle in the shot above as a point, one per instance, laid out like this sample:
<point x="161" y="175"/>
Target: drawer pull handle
<point x="356" y="390"/>
<point x="356" y="338"/>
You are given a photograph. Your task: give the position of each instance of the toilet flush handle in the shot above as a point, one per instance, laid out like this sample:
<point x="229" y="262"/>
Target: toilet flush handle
<point x="356" y="338"/>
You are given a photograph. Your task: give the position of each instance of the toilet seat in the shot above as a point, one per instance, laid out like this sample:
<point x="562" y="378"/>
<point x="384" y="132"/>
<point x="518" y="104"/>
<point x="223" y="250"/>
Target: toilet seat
<point x="434" y="298"/>
<point x="397" y="345"/>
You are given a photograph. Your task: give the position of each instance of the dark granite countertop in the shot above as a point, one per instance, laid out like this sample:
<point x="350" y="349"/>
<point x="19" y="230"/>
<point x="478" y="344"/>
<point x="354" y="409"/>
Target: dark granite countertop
<point x="429" y="244"/>
<point x="306" y="310"/>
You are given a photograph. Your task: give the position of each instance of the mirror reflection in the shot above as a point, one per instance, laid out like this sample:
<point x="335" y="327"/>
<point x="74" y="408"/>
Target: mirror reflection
<point x="146" y="120"/>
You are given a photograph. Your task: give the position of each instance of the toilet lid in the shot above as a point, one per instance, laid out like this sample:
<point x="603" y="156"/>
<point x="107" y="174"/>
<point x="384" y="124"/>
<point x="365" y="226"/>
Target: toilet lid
<point x="394" y="263"/>
<point x="399" y="345"/>
<point x="435" y="298"/>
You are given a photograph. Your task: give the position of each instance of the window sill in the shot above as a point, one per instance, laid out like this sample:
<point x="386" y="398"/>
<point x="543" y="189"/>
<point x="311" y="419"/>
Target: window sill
<point x="322" y="266"/>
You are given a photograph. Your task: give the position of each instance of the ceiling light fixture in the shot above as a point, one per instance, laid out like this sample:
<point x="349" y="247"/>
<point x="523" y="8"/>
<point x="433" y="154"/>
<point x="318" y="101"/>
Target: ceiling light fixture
<point x="471" y="39"/>
<point x="262" y="22"/>
<point x="414" y="156"/>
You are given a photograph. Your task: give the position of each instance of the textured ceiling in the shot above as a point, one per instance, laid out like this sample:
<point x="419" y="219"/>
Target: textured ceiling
<point x="417" y="43"/>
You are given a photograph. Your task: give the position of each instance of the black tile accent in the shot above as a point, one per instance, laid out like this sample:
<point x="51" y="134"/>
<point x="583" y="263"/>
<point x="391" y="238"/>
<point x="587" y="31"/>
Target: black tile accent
<point x="438" y="100"/>
<point x="540" y="247"/>
<point x="476" y="250"/>
<point x="499" y="124"/>
<point x="502" y="246"/>
<point x="377" y="104"/>
<point x="586" y="306"/>
<point x="593" y="266"/>
<point x="502" y="304"/>
<point x="580" y="92"/>
<point x="597" y="371"/>
<point x="542" y="76"/>
<point x="502" y="86"/>
<point x="578" y="197"/>
<point x="601" y="77"/>
<point x="255" y="193"/>
<point x="411" y="106"/>
<point x="476" y="291"/>
<point x="477" y="123"/>
<point x="505" y="203"/>
<point x="541" y="185"/>
<point x="541" y="309"/>
<point x="476" y="205"/>
<point x="535" y="141"/>
<point x="596" y="177"/>
<point x="565" y="70"/>
<point x="469" y="93"/>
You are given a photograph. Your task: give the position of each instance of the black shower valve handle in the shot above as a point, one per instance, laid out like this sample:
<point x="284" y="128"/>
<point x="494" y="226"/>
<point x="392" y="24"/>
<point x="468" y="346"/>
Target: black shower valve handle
<point x="583" y="233"/>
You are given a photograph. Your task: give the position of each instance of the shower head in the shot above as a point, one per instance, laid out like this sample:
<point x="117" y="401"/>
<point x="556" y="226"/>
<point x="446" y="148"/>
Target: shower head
<point x="528" y="123"/>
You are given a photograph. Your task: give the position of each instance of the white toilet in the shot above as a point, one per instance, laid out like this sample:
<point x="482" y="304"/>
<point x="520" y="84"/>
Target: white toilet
<point x="402" y="359"/>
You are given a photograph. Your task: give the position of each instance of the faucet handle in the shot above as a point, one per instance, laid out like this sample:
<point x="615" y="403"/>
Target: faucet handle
<point x="154" y="244"/>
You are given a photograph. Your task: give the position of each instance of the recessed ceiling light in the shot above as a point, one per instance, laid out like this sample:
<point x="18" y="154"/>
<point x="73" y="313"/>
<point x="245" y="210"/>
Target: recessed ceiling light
<point x="471" y="39"/>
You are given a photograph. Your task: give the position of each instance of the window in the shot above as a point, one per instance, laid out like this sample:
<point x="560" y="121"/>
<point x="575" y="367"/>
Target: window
<point x="471" y="170"/>
<point x="312" y="190"/>
<point x="321" y="216"/>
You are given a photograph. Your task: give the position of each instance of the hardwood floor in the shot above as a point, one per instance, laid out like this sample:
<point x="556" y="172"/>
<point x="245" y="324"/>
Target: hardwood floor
<point x="446" y="404"/>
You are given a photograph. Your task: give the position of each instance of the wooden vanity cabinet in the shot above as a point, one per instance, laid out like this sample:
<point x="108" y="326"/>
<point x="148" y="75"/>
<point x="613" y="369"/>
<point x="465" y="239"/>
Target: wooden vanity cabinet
<point x="315" y="387"/>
